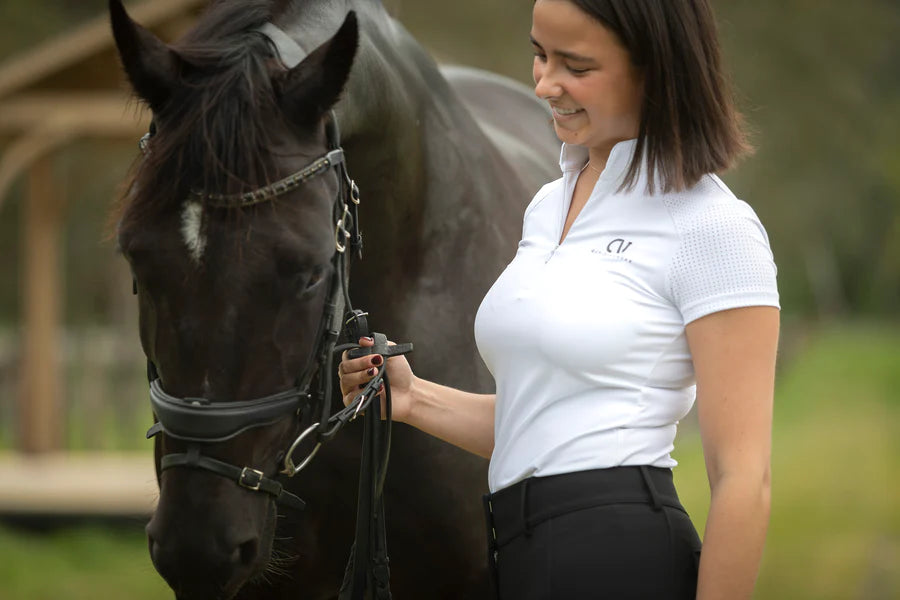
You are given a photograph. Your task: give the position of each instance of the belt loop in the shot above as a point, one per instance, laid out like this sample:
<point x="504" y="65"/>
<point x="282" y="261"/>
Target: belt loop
<point x="526" y="520"/>
<point x="654" y="495"/>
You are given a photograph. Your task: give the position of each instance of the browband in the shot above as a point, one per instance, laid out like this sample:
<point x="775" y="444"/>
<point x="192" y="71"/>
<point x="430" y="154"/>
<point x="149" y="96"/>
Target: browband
<point x="199" y="420"/>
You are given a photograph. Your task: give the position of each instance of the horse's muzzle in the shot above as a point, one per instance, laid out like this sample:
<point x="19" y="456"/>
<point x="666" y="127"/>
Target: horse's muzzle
<point x="203" y="571"/>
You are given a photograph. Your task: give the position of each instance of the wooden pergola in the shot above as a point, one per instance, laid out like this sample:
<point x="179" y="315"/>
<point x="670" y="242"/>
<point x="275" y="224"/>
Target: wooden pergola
<point x="67" y="89"/>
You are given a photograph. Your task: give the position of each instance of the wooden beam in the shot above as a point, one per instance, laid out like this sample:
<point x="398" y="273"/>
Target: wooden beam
<point x="97" y="484"/>
<point x="49" y="126"/>
<point x="23" y="152"/>
<point x="107" y="114"/>
<point x="40" y="396"/>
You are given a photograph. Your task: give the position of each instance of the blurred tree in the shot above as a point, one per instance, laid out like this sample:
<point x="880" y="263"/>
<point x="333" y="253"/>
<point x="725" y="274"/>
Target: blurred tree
<point x="822" y="90"/>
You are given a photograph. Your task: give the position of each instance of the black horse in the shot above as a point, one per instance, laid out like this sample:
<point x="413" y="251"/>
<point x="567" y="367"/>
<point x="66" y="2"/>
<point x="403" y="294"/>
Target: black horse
<point x="230" y="298"/>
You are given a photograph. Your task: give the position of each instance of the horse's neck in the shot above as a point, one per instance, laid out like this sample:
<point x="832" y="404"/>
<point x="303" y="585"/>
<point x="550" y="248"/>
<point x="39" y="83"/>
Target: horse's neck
<point x="412" y="143"/>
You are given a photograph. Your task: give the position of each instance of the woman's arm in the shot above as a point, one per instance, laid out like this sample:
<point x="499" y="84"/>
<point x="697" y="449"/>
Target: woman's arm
<point x="460" y="418"/>
<point x="734" y="360"/>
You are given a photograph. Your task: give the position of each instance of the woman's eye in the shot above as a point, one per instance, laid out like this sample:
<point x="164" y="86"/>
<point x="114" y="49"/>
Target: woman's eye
<point x="540" y="57"/>
<point x="575" y="71"/>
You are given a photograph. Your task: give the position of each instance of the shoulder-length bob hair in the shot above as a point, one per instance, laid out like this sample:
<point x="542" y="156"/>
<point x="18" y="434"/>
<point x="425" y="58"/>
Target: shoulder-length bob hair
<point x="689" y="124"/>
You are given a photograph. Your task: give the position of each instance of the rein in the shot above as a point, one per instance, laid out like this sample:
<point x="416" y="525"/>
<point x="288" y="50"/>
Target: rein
<point x="200" y="421"/>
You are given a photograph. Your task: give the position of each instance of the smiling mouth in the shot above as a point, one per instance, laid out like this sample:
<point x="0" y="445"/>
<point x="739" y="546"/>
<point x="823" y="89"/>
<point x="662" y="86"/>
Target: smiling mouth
<point x="565" y="112"/>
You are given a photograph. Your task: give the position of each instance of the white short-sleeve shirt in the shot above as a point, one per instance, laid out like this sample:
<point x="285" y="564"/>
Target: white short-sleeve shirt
<point x="586" y="339"/>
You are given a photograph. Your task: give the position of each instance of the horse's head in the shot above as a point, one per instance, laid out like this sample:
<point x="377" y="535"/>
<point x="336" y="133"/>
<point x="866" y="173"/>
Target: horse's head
<point x="231" y="297"/>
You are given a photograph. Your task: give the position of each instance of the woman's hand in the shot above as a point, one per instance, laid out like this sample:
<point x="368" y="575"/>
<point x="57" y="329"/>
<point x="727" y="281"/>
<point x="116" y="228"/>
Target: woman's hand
<point x="355" y="373"/>
<point x="461" y="418"/>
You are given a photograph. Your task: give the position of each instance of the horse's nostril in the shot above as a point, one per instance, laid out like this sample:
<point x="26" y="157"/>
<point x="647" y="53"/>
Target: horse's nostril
<point x="246" y="552"/>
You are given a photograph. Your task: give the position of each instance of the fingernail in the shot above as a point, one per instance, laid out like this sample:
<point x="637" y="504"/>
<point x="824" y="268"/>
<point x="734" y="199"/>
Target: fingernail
<point x="371" y="372"/>
<point x="362" y="386"/>
<point x="368" y="339"/>
<point x="376" y="360"/>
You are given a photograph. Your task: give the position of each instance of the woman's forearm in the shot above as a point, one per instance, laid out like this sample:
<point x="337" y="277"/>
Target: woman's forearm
<point x="734" y="539"/>
<point x="460" y="418"/>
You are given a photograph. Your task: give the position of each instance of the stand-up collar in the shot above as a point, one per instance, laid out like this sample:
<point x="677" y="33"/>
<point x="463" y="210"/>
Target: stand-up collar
<point x="573" y="158"/>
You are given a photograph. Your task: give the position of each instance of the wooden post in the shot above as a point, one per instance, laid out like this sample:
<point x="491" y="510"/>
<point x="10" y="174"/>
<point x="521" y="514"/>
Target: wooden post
<point x="40" y="399"/>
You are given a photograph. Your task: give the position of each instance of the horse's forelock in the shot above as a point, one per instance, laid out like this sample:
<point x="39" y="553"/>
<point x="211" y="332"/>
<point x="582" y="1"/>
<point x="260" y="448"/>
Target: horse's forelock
<point x="212" y="133"/>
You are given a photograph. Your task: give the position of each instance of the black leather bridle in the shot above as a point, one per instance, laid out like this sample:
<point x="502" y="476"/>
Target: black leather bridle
<point x="200" y="421"/>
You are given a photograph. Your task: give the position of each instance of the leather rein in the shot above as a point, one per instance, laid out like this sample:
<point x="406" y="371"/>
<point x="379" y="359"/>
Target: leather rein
<point x="200" y="421"/>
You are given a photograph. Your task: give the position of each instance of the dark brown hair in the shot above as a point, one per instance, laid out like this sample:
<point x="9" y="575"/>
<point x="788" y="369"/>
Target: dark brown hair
<point x="689" y="124"/>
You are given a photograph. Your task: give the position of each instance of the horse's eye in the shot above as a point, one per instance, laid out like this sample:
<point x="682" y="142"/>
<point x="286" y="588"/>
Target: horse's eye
<point x="315" y="278"/>
<point x="310" y="280"/>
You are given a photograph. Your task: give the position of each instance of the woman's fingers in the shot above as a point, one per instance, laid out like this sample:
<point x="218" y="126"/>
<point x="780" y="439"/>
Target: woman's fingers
<point x="355" y="381"/>
<point x="355" y="373"/>
<point x="363" y="362"/>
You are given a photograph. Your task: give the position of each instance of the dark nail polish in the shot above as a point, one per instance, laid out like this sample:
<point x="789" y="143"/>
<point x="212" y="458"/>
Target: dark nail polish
<point x="368" y="339"/>
<point x="362" y="386"/>
<point x="371" y="372"/>
<point x="377" y="360"/>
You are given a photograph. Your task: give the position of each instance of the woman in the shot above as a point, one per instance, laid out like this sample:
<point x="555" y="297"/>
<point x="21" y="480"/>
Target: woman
<point x="638" y="276"/>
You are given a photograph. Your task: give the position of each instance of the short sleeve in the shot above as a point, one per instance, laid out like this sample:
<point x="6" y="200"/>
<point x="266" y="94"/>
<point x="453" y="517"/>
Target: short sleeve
<point x="723" y="261"/>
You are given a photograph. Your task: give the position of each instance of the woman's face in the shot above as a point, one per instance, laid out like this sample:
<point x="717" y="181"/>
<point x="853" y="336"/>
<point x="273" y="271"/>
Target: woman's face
<point x="586" y="75"/>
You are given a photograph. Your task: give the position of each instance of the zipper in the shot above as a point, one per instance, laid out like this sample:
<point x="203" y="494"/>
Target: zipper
<point x="552" y="252"/>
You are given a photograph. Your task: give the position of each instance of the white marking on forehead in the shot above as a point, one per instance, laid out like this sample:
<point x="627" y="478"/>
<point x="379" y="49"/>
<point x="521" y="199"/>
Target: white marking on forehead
<point x="191" y="230"/>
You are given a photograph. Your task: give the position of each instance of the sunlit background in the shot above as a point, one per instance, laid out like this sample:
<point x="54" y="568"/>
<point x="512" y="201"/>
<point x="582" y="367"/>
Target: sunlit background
<point x="819" y="82"/>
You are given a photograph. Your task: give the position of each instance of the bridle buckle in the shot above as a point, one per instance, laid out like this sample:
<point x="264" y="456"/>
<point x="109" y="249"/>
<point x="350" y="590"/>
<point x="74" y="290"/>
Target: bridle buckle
<point x="250" y="478"/>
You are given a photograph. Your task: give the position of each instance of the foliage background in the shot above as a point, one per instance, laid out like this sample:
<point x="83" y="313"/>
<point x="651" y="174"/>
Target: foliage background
<point x="819" y="82"/>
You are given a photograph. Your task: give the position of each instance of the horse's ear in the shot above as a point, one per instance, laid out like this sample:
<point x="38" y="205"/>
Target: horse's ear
<point x="308" y="90"/>
<point x="151" y="66"/>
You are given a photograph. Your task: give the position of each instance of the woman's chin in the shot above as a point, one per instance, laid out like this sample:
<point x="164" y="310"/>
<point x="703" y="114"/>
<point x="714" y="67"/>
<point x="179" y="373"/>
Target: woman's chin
<point x="573" y="137"/>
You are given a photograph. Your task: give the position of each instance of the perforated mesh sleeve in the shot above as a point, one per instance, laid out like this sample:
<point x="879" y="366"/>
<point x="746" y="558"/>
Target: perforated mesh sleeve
<point x="724" y="260"/>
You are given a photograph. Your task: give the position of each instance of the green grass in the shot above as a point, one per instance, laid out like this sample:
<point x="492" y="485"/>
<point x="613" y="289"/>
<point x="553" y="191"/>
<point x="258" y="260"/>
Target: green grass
<point x="78" y="564"/>
<point x="835" y="525"/>
<point x="835" y="521"/>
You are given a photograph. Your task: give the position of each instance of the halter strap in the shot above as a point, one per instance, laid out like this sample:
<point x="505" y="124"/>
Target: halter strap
<point x="246" y="477"/>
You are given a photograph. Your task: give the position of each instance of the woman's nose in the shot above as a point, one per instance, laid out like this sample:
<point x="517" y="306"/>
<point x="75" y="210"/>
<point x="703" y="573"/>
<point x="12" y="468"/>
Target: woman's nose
<point x="546" y="86"/>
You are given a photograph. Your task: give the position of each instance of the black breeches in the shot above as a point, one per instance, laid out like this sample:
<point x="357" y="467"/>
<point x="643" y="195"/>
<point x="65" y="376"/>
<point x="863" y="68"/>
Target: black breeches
<point x="616" y="533"/>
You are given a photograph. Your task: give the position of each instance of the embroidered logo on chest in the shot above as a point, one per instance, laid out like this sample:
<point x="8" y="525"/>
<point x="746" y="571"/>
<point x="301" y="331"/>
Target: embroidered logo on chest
<point x="614" y="249"/>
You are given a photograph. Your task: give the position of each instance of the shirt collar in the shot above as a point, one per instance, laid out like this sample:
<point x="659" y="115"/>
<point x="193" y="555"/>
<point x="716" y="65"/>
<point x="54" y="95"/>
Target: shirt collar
<point x="573" y="158"/>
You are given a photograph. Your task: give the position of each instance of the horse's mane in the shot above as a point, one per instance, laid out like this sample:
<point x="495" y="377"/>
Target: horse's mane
<point x="211" y="132"/>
